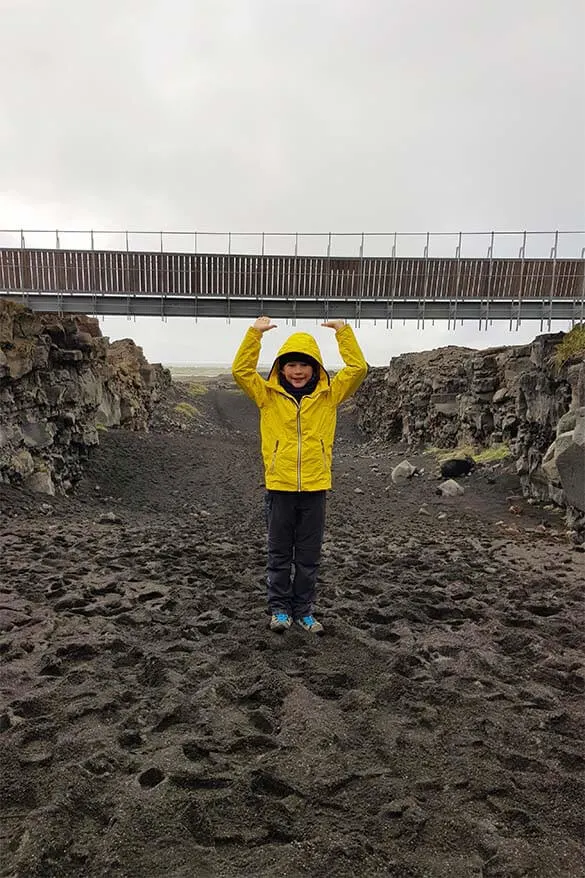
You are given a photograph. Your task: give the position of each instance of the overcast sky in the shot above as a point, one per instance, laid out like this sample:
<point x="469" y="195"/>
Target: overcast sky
<point x="292" y="115"/>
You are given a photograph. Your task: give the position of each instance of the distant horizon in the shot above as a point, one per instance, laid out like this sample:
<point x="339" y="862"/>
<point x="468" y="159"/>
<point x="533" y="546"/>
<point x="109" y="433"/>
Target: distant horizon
<point x="192" y="364"/>
<point x="334" y="362"/>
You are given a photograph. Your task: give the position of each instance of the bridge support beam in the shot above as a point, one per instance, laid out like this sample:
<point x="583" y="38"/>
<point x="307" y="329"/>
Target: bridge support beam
<point x="299" y="308"/>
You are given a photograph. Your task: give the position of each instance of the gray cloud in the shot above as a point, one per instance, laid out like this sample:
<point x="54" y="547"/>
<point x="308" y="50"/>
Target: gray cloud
<point x="292" y="115"/>
<point x="269" y="115"/>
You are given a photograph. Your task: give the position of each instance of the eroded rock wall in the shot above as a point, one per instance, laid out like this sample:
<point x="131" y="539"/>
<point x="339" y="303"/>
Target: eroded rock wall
<point x="60" y="382"/>
<point x="516" y="395"/>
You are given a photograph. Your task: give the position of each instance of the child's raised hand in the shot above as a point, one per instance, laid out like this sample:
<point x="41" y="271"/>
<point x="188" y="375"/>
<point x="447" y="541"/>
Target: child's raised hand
<point x="263" y="324"/>
<point x="334" y="324"/>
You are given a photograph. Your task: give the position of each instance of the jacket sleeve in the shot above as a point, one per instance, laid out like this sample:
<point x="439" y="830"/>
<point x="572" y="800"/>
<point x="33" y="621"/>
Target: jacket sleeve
<point x="244" y="367"/>
<point x="355" y="370"/>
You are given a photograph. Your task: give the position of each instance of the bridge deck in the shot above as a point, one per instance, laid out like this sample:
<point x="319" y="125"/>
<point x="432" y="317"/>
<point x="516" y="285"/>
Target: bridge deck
<point x="303" y="277"/>
<point x="114" y="282"/>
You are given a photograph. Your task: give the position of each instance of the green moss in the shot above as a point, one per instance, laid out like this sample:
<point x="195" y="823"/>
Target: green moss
<point x="573" y="343"/>
<point x="185" y="408"/>
<point x="195" y="389"/>
<point x="480" y="455"/>
<point x="495" y="452"/>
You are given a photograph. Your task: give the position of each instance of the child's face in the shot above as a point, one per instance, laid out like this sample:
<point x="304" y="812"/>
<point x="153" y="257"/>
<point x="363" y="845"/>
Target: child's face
<point x="297" y="374"/>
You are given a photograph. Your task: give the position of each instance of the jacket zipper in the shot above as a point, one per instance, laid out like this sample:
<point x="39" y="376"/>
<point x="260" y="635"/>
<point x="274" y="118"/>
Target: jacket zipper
<point x="299" y="446"/>
<point x="273" y="461"/>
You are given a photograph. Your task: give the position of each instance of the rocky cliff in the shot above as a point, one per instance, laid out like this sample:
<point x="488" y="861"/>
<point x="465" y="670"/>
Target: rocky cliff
<point x="60" y="382"/>
<point x="513" y="395"/>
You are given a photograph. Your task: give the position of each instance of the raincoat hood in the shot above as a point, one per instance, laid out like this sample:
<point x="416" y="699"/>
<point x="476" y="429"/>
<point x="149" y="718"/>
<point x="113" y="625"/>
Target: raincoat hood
<point x="300" y="343"/>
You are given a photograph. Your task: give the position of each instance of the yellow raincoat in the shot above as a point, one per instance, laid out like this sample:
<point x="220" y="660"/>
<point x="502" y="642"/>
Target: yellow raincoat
<point x="297" y="438"/>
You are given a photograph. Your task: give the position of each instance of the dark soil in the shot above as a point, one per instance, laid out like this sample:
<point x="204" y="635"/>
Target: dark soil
<point x="152" y="726"/>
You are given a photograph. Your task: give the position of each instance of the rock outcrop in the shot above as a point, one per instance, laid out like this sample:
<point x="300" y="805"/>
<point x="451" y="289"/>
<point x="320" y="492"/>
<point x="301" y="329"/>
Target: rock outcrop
<point x="60" y="382"/>
<point x="513" y="395"/>
<point x="560" y="475"/>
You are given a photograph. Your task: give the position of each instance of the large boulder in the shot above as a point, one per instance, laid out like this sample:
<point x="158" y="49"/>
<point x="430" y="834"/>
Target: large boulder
<point x="457" y="466"/>
<point x="450" y="488"/>
<point x="402" y="472"/>
<point x="570" y="462"/>
<point x="40" y="482"/>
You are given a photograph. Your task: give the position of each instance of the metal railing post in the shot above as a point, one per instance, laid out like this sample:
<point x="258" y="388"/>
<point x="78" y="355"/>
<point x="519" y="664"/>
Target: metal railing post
<point x="390" y="302"/>
<point x="295" y="280"/>
<point x="127" y="268"/>
<point x="522" y="255"/>
<point x="55" y="273"/>
<point x="91" y="269"/>
<point x="453" y="307"/>
<point x="582" y="316"/>
<point x="420" y="318"/>
<point x="486" y="308"/>
<point x="262" y="265"/>
<point x="329" y="285"/>
<point x="553" y="254"/>
<point x="162" y="295"/>
<point x="23" y="296"/>
<point x="223" y="288"/>
<point x="358" y="307"/>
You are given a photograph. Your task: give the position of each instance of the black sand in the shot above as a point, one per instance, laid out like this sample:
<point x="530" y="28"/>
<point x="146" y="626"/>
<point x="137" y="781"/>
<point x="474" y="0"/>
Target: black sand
<point x="152" y="726"/>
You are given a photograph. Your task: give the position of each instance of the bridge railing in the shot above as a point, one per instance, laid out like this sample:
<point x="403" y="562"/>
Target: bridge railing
<point x="342" y="245"/>
<point x="179" y="274"/>
<point x="545" y="266"/>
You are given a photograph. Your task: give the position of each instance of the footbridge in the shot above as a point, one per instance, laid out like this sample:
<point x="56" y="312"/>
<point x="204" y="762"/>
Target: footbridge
<point x="456" y="276"/>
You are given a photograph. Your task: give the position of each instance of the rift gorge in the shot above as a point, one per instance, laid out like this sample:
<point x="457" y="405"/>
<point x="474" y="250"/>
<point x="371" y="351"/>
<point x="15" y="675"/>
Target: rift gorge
<point x="151" y="725"/>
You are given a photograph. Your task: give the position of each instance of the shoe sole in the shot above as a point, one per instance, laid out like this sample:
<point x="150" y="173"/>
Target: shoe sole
<point x="279" y="627"/>
<point x="318" y="633"/>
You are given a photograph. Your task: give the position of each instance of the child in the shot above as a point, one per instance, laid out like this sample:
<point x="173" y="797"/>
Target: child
<point x="298" y="412"/>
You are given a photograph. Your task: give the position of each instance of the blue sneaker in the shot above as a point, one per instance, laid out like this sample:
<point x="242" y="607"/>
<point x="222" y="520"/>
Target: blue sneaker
<point x="309" y="623"/>
<point x="280" y="622"/>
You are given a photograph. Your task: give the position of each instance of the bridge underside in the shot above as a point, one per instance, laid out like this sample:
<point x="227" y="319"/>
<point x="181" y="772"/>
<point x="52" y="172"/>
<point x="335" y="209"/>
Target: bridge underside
<point x="102" y="304"/>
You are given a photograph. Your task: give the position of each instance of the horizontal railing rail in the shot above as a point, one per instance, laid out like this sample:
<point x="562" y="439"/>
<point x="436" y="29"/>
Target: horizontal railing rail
<point x="563" y="244"/>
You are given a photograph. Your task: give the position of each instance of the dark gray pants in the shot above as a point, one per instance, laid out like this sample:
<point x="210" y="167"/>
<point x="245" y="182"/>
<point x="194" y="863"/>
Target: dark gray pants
<point x="296" y="521"/>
